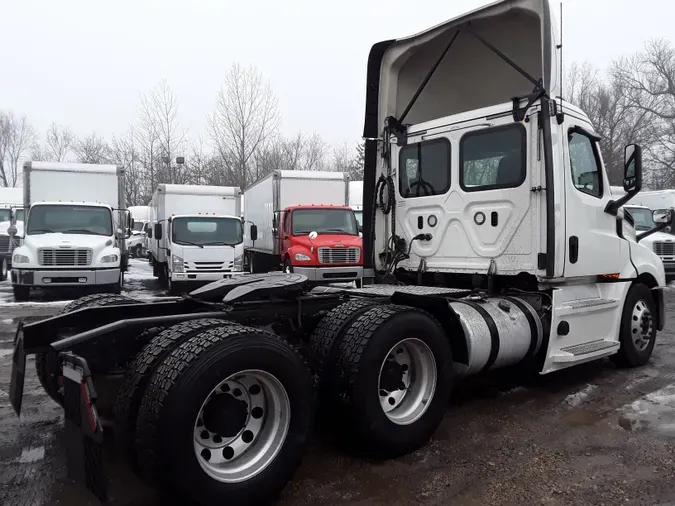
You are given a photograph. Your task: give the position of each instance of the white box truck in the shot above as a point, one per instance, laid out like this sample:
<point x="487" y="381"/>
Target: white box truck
<point x="356" y="199"/>
<point x="197" y="236"/>
<point x="76" y="226"/>
<point x="301" y="221"/>
<point x="137" y="244"/>
<point x="11" y="210"/>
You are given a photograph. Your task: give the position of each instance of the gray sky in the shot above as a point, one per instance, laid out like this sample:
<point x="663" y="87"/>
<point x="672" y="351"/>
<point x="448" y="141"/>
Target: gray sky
<point x="82" y="63"/>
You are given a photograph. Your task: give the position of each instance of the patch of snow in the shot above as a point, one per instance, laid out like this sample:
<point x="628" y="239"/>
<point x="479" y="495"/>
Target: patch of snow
<point x="29" y="455"/>
<point x="35" y="303"/>
<point x="7" y="320"/>
<point x="655" y="410"/>
<point x="576" y="399"/>
<point x="5" y="352"/>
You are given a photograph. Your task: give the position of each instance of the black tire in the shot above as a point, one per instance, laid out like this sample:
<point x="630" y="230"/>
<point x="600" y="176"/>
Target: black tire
<point x="162" y="342"/>
<point x="21" y="293"/>
<point x="329" y="332"/>
<point x="175" y="287"/>
<point x="47" y="365"/>
<point x="256" y="263"/>
<point x="155" y="267"/>
<point x="116" y="288"/>
<point x="629" y="355"/>
<point x="138" y="251"/>
<point x="361" y="353"/>
<point x="164" y="276"/>
<point x="174" y="397"/>
<point x="288" y="266"/>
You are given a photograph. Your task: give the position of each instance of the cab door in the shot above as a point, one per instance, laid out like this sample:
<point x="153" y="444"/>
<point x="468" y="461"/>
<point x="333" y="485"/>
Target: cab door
<point x="592" y="245"/>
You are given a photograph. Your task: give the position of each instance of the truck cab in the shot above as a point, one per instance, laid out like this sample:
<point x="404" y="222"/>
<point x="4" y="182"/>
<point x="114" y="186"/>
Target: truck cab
<point x="321" y="242"/>
<point x="68" y="244"/>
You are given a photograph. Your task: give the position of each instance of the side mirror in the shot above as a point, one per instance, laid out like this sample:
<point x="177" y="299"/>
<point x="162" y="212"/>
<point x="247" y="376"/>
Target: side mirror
<point x="632" y="168"/>
<point x="662" y="215"/>
<point x="254" y="233"/>
<point x="119" y="234"/>
<point x="359" y="228"/>
<point x="12" y="230"/>
<point x="313" y="235"/>
<point x="158" y="231"/>
<point x="131" y="222"/>
<point x="148" y="231"/>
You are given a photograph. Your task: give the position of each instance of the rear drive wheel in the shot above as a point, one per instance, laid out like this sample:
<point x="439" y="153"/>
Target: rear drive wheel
<point x="395" y="373"/>
<point x="226" y="415"/>
<point x="21" y="293"/>
<point x="328" y="333"/>
<point x="161" y="343"/>
<point x="637" y="334"/>
<point x="47" y="364"/>
<point x="288" y="266"/>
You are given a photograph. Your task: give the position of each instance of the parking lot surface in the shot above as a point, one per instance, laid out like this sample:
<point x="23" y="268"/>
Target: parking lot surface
<point x="590" y="435"/>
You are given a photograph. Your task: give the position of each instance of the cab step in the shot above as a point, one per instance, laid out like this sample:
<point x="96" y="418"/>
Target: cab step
<point x="586" y="351"/>
<point x="589" y="303"/>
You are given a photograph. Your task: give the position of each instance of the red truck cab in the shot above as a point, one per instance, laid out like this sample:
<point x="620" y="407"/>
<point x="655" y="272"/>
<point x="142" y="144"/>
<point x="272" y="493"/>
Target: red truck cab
<point x="321" y="242"/>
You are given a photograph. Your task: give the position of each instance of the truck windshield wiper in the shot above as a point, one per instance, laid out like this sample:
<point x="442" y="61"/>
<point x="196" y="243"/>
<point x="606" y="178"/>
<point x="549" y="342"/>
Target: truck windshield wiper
<point x="218" y="243"/>
<point x="341" y="230"/>
<point x="189" y="243"/>
<point x="82" y="231"/>
<point x="40" y="231"/>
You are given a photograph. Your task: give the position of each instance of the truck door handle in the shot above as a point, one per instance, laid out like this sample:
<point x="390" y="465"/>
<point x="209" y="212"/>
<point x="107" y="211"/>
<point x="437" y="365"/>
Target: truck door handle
<point x="574" y="249"/>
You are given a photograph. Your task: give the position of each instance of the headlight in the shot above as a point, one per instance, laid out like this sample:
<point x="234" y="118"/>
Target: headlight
<point x="177" y="264"/>
<point x="20" y="259"/>
<point x="108" y="259"/>
<point x="302" y="258"/>
<point x="238" y="263"/>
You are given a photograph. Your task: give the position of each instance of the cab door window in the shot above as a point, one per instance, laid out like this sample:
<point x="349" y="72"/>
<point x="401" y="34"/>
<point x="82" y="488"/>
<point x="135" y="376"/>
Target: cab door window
<point x="585" y="163"/>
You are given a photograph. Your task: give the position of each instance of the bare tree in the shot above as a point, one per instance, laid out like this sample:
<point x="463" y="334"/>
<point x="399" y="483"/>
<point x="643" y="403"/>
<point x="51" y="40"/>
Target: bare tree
<point x="245" y="118"/>
<point x="59" y="141"/>
<point x="16" y="137"/>
<point x="92" y="149"/>
<point x="123" y="151"/>
<point x="347" y="159"/>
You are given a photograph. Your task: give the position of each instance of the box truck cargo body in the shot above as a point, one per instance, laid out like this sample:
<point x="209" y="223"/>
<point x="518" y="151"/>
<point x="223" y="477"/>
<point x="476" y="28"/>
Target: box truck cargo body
<point x="76" y="226"/>
<point x="197" y="234"/>
<point x="356" y="199"/>
<point x="301" y="221"/>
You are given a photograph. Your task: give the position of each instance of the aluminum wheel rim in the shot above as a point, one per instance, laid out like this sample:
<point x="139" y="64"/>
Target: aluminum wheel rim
<point x="642" y="325"/>
<point x="239" y="457"/>
<point x="417" y="366"/>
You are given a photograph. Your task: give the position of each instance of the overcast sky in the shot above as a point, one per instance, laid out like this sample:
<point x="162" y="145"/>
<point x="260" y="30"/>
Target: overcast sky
<point x="82" y="63"/>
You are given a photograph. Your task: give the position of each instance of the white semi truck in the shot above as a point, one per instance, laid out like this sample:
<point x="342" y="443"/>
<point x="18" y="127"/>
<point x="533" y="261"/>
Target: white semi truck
<point x="137" y="242"/>
<point x="197" y="235"/>
<point x="493" y="242"/>
<point x="11" y="211"/>
<point x="661" y="243"/>
<point x="356" y="199"/>
<point x="75" y="231"/>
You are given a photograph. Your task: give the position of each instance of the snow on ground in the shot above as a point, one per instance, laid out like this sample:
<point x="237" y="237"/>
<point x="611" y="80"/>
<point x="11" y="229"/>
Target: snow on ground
<point x="655" y="411"/>
<point x="579" y="397"/>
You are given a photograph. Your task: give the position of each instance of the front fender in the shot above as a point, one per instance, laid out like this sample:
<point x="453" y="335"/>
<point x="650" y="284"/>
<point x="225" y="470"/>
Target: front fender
<point x="646" y="262"/>
<point x="291" y="252"/>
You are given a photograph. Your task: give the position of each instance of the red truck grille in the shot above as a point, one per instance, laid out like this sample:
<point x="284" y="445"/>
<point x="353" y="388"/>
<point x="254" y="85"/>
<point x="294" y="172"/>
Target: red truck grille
<point x="339" y="255"/>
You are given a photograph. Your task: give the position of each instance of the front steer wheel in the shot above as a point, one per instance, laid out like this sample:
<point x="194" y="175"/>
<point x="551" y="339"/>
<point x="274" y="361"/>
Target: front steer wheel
<point x="637" y="333"/>
<point x="225" y="417"/>
<point x="393" y="380"/>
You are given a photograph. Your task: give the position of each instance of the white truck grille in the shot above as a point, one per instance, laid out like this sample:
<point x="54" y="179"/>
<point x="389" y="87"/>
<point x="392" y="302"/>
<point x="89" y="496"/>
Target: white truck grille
<point x="339" y="255"/>
<point x="666" y="249"/>
<point x="64" y="257"/>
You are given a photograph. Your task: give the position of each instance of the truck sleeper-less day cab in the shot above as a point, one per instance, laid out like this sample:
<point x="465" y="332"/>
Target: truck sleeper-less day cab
<point x="11" y="202"/>
<point x="495" y="243"/>
<point x="75" y="229"/>
<point x="301" y="221"/>
<point x="197" y="236"/>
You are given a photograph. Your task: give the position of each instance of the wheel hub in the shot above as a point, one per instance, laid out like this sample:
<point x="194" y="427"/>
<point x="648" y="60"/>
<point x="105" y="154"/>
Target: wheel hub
<point x="391" y="377"/>
<point x="642" y="325"/>
<point x="225" y="415"/>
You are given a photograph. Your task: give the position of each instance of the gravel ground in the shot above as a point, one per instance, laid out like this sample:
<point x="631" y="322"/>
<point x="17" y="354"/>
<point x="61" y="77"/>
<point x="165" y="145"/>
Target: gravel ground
<point x="591" y="435"/>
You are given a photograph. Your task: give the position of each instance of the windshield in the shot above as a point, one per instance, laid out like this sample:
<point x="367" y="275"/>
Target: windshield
<point x="4" y="215"/>
<point x="138" y="226"/>
<point x="643" y="218"/>
<point x="69" y="220"/>
<point x="324" y="221"/>
<point x="359" y="216"/>
<point x="203" y="231"/>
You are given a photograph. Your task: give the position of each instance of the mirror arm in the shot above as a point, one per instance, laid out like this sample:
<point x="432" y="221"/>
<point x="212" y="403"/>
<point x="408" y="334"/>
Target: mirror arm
<point x="613" y="206"/>
<point x="657" y="228"/>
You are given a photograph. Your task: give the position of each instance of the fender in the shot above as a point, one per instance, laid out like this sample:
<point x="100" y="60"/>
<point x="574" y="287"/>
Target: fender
<point x="298" y="248"/>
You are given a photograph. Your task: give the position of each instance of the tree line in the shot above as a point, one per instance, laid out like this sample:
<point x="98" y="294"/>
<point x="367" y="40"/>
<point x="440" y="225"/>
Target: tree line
<point x="631" y="101"/>
<point x="242" y="142"/>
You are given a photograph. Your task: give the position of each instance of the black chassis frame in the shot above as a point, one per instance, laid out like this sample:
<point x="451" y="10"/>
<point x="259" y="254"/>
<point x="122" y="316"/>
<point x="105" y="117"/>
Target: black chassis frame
<point x="108" y="337"/>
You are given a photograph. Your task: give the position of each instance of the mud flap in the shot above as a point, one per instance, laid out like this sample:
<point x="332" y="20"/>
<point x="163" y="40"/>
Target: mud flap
<point x="83" y="431"/>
